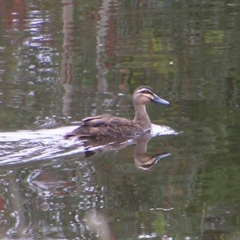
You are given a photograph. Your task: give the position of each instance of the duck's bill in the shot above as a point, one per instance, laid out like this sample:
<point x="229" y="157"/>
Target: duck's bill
<point x="160" y="100"/>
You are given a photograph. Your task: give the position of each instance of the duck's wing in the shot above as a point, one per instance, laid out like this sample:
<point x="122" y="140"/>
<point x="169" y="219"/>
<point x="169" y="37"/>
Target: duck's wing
<point x="104" y="125"/>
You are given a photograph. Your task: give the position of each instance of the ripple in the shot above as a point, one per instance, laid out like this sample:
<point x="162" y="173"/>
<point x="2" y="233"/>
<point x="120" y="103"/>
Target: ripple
<point x="44" y="144"/>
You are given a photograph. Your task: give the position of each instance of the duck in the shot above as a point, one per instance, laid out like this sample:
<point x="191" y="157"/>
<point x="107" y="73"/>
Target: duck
<point x="112" y="126"/>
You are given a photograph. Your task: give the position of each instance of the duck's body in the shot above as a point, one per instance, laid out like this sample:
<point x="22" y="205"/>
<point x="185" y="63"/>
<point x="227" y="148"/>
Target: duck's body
<point x="111" y="126"/>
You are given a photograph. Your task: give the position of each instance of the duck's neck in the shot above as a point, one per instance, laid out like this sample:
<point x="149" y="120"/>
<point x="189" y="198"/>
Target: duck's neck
<point x="141" y="116"/>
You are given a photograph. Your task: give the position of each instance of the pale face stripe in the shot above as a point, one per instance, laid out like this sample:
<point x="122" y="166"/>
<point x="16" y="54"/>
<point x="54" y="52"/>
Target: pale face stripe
<point x="149" y="95"/>
<point x="144" y="89"/>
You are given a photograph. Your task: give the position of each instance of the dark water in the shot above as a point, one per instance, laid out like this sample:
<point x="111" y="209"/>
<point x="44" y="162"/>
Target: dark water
<point x="61" y="61"/>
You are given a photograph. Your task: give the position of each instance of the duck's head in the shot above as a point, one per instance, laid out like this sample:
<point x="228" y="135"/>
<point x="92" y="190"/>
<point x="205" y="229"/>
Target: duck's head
<point x="144" y="94"/>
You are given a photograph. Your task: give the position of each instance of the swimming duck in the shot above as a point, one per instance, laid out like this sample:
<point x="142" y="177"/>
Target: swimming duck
<point x="111" y="126"/>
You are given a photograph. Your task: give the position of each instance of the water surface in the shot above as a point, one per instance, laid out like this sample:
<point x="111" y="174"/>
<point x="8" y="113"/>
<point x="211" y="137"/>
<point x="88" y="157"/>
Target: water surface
<point x="61" y="61"/>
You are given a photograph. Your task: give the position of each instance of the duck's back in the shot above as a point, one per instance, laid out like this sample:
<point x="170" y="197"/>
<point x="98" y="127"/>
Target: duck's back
<point x="105" y="125"/>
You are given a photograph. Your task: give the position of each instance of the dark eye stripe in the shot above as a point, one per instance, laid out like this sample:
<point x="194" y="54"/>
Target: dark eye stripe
<point x="145" y="91"/>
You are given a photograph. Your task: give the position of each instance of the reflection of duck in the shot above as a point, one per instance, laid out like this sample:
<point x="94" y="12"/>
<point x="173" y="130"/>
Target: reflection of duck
<point x="105" y="125"/>
<point x="142" y="159"/>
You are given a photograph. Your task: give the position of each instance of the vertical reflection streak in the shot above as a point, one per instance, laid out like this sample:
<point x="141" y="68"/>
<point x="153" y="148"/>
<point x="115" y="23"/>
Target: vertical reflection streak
<point x="102" y="31"/>
<point x="67" y="56"/>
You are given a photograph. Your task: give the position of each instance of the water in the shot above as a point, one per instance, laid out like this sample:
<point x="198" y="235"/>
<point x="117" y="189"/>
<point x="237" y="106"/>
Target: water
<point x="61" y="61"/>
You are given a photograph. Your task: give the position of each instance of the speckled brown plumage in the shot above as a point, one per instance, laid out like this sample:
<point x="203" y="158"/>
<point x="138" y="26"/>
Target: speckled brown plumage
<point x="106" y="125"/>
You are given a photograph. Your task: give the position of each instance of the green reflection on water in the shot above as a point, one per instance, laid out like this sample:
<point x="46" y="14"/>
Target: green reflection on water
<point x="63" y="61"/>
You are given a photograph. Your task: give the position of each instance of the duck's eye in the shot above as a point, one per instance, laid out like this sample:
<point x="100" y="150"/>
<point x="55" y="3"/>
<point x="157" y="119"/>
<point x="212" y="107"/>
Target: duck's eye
<point x="145" y="91"/>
